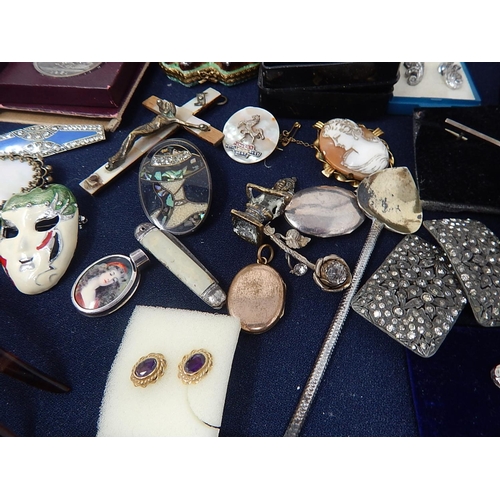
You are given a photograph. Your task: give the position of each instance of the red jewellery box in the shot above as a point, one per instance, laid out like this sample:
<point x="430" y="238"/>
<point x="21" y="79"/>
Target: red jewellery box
<point x="98" y="85"/>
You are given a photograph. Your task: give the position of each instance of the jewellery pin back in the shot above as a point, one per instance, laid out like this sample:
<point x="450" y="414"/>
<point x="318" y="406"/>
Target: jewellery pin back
<point x="251" y="135"/>
<point x="107" y="284"/>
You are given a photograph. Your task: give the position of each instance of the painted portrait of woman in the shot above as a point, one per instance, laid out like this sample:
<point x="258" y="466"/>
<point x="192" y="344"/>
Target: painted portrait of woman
<point x="102" y="283"/>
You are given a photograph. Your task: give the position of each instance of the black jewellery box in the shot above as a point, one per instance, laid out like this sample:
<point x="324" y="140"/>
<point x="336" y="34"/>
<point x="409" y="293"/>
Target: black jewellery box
<point x="322" y="90"/>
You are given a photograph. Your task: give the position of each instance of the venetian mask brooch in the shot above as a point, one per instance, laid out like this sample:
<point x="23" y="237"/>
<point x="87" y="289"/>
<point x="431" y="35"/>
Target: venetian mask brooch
<point x="38" y="228"/>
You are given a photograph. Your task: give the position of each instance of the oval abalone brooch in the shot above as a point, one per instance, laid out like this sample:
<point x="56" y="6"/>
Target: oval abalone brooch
<point x="175" y="186"/>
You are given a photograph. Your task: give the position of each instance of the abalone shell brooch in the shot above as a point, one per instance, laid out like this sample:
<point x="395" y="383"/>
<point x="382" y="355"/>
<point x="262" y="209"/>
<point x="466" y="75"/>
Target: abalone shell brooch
<point x="175" y="186"/>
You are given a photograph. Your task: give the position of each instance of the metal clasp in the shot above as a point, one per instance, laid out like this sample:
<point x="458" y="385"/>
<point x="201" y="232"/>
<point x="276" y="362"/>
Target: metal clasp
<point x="287" y="135"/>
<point x="201" y="99"/>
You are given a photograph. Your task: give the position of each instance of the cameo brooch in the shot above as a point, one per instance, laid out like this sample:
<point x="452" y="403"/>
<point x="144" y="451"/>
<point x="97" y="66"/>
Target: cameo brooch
<point x="349" y="151"/>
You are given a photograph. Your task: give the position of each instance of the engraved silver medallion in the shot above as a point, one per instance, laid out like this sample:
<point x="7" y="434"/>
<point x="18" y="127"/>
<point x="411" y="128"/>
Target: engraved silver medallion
<point x="65" y="69"/>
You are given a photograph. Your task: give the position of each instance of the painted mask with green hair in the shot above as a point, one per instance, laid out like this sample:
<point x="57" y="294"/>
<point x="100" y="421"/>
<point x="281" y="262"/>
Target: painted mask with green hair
<point x="38" y="236"/>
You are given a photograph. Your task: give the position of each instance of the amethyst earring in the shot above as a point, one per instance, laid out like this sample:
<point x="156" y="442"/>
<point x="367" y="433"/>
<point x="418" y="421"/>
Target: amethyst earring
<point x="148" y="370"/>
<point x="194" y="366"/>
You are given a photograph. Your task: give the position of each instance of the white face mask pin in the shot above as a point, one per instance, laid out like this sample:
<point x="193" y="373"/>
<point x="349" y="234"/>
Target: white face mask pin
<point x="38" y="236"/>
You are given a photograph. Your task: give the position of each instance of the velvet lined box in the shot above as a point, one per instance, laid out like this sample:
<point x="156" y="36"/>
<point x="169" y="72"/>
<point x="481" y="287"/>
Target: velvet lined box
<point x="323" y="90"/>
<point x="454" y="174"/>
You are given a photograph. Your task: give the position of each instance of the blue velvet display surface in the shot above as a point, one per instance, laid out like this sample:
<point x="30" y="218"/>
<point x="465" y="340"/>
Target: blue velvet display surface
<point x="372" y="387"/>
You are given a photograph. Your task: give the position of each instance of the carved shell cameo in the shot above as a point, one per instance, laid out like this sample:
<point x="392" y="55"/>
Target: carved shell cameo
<point x="351" y="150"/>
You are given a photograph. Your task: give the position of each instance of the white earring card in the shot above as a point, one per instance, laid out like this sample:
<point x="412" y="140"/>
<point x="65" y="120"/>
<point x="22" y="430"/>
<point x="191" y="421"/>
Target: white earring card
<point x="170" y="406"/>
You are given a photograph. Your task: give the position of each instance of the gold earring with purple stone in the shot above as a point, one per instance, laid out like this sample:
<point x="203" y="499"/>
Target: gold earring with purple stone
<point x="148" y="369"/>
<point x="194" y="366"/>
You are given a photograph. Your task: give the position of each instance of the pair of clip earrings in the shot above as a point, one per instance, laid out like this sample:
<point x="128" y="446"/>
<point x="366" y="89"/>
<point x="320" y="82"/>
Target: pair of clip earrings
<point x="192" y="368"/>
<point x="448" y="70"/>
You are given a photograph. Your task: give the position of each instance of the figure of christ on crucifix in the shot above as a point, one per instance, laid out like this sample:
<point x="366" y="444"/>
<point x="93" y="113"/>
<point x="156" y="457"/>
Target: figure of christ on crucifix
<point x="165" y="117"/>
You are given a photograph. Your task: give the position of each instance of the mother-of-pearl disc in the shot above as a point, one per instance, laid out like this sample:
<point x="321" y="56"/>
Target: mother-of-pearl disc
<point x="251" y="135"/>
<point x="324" y="211"/>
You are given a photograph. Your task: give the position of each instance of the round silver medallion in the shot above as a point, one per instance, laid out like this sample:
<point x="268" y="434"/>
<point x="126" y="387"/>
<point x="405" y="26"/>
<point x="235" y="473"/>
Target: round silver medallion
<point x="65" y="69"/>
